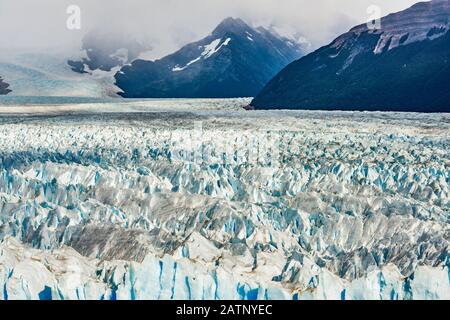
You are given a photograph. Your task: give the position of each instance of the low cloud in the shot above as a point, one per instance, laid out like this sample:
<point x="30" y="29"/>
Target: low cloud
<point x="168" y="24"/>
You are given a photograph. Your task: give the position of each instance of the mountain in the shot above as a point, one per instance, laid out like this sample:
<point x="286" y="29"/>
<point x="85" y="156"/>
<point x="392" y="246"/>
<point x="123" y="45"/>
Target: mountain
<point x="87" y="72"/>
<point x="106" y="50"/>
<point x="236" y="60"/>
<point x="4" y="87"/>
<point x="404" y="66"/>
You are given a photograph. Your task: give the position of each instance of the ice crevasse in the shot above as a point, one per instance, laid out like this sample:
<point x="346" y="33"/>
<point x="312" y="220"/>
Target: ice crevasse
<point x="94" y="210"/>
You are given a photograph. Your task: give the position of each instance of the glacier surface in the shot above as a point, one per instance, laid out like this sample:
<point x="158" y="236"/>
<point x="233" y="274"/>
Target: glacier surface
<point x="196" y="199"/>
<point x="47" y="73"/>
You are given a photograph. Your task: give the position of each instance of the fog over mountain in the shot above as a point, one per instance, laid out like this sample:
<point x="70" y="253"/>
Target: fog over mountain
<point x="169" y="24"/>
<point x="235" y="60"/>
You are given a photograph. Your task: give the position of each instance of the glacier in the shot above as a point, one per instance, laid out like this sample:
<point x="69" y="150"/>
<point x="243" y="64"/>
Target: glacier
<point x="199" y="199"/>
<point x="46" y="73"/>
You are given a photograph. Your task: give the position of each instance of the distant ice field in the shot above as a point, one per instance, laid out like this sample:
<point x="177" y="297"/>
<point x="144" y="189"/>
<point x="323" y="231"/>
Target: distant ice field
<point x="200" y="199"/>
<point x="225" y="108"/>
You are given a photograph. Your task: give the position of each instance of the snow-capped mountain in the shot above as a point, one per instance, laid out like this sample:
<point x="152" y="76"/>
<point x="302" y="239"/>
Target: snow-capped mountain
<point x="4" y="87"/>
<point x="403" y="66"/>
<point x="235" y="60"/>
<point x="106" y="50"/>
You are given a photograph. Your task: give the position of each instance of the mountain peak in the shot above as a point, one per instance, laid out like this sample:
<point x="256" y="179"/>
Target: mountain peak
<point x="217" y="66"/>
<point x="231" y="25"/>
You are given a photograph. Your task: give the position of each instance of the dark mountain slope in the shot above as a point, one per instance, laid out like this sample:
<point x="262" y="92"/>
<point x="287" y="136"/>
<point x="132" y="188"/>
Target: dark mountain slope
<point x="234" y="61"/>
<point x="402" y="67"/>
<point x="4" y="87"/>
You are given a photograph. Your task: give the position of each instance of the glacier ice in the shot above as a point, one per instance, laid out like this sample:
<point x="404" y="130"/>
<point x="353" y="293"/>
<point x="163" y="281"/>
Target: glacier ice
<point x="48" y="74"/>
<point x="127" y="204"/>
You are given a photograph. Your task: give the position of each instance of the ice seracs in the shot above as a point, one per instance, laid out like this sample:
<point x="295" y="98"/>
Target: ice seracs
<point x="126" y="206"/>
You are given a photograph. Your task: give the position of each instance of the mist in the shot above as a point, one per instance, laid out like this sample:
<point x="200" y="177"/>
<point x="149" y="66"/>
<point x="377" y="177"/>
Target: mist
<point x="168" y="24"/>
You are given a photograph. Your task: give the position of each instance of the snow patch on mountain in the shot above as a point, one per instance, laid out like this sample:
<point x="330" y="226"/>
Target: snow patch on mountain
<point x="214" y="47"/>
<point x="178" y="68"/>
<point x="208" y="51"/>
<point x="211" y="48"/>
<point x="424" y="20"/>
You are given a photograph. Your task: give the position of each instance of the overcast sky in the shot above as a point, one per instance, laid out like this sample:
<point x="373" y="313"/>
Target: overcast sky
<point x="168" y="24"/>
